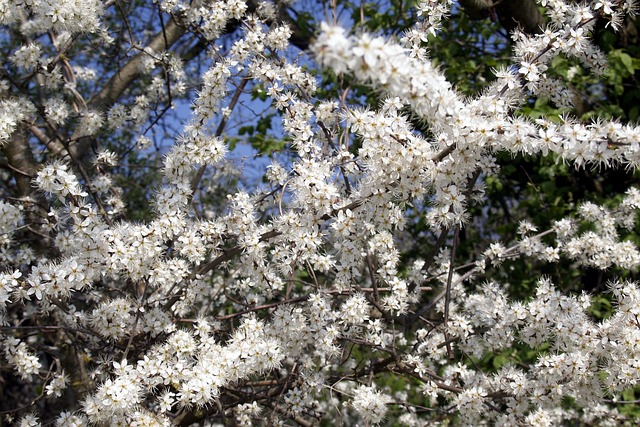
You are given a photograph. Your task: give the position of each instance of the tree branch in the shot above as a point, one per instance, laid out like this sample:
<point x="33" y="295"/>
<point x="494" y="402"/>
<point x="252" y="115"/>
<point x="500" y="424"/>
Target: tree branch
<point x="79" y="145"/>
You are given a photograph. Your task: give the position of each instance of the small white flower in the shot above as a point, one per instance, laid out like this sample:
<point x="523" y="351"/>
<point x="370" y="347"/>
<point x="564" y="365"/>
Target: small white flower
<point x="370" y="404"/>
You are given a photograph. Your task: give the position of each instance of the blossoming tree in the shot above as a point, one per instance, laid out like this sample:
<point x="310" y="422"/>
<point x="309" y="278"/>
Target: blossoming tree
<point x="146" y="283"/>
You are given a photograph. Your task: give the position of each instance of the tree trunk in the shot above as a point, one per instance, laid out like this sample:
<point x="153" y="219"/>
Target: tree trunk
<point x="512" y="14"/>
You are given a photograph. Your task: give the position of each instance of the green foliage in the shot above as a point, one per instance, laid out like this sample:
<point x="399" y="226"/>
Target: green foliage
<point x="601" y="307"/>
<point x="391" y="17"/>
<point x="630" y="408"/>
<point x="469" y="51"/>
<point x="258" y="136"/>
<point x="259" y="92"/>
<point x="542" y="109"/>
<point x="138" y="187"/>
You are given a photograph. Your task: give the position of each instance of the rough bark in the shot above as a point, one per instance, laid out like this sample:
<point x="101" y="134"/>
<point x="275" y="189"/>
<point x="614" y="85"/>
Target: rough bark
<point x="24" y="166"/>
<point x="523" y="14"/>
<point x="512" y="14"/>
<point x="22" y="163"/>
<point x="116" y="86"/>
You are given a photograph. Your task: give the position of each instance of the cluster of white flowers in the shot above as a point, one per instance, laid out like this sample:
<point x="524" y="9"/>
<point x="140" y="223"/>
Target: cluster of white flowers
<point x="210" y="18"/>
<point x="168" y="81"/>
<point x="247" y="412"/>
<point x="584" y="363"/>
<point x="24" y="361"/>
<point x="195" y="366"/>
<point x="12" y="111"/>
<point x="69" y="15"/>
<point x="370" y="404"/>
<point x="354" y="310"/>
<point x="27" y="57"/>
<point x="434" y="12"/>
<point x="57" y="385"/>
<point x="11" y="218"/>
<point x="285" y="294"/>
<point x="478" y="125"/>
<point x="591" y="239"/>
<point x="57" y="179"/>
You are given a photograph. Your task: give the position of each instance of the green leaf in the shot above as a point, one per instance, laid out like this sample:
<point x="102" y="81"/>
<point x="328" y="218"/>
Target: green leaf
<point x="259" y="92"/>
<point x="264" y="124"/>
<point x="246" y="130"/>
<point x="629" y="395"/>
<point x="499" y="361"/>
<point x="627" y="61"/>
<point x="232" y="143"/>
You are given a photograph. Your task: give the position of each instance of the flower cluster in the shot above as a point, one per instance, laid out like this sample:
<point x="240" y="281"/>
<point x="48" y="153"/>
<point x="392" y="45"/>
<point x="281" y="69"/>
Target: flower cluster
<point x="370" y="404"/>
<point x="12" y="111"/>
<point x="24" y="361"/>
<point x="304" y="298"/>
<point x="592" y="238"/>
<point x="56" y="179"/>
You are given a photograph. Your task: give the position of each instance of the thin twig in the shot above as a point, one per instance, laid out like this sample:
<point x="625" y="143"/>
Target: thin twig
<point x="447" y="297"/>
<point x="219" y="130"/>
